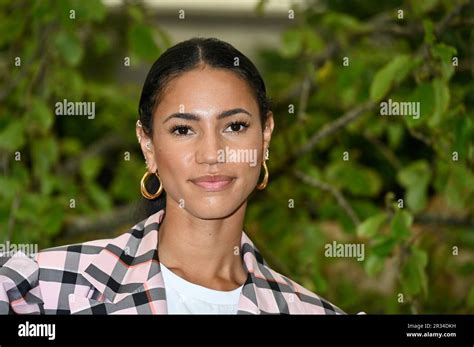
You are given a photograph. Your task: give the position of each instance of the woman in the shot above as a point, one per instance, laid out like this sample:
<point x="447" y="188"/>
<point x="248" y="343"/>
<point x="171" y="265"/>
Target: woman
<point x="204" y="129"/>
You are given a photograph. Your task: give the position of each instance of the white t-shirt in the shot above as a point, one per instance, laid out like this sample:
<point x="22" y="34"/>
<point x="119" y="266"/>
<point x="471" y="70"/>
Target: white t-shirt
<point x="184" y="297"/>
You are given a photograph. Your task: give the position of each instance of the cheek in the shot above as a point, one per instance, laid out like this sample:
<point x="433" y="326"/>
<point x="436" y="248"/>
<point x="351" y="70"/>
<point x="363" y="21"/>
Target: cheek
<point x="173" y="162"/>
<point x="250" y="175"/>
<point x="248" y="169"/>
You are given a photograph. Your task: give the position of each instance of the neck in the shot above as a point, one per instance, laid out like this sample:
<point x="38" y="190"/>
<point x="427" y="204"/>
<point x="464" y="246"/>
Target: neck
<point x="205" y="252"/>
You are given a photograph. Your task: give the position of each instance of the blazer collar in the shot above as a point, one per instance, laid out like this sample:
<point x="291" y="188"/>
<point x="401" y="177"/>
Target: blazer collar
<point x="129" y="264"/>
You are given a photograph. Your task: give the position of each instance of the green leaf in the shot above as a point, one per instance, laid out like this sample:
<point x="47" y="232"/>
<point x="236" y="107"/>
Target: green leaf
<point x="421" y="7"/>
<point x="413" y="277"/>
<point x="69" y="47"/>
<point x="29" y="202"/>
<point x="445" y="54"/>
<point x="336" y="20"/>
<point x="102" y="43"/>
<point x="292" y="40"/>
<point x="383" y="246"/>
<point x="418" y="172"/>
<point x="312" y="41"/>
<point x="53" y="218"/>
<point x="39" y="117"/>
<point x="90" y="168"/>
<point x="70" y="146"/>
<point x="371" y="225"/>
<point x="415" y="179"/>
<point x="320" y="283"/>
<point x="136" y="13"/>
<point x="401" y="223"/>
<point x="10" y="28"/>
<point x="48" y="183"/>
<point x="373" y="265"/>
<point x="395" y="134"/>
<point x="423" y="94"/>
<point x="126" y="172"/>
<point x="9" y="187"/>
<point x="441" y="99"/>
<point x="75" y="85"/>
<point x="44" y="153"/>
<point x="356" y="179"/>
<point x="93" y="10"/>
<point x="460" y="186"/>
<point x="100" y="198"/>
<point x="12" y="137"/>
<point x="142" y="42"/>
<point x="394" y="71"/>
<point x="462" y="136"/>
<point x="429" y="31"/>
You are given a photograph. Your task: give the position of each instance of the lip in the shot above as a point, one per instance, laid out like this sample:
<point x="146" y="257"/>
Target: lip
<point x="213" y="183"/>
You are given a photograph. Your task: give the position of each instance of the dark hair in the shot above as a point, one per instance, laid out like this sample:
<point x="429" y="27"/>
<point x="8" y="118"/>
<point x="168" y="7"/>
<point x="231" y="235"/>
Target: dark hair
<point x="183" y="57"/>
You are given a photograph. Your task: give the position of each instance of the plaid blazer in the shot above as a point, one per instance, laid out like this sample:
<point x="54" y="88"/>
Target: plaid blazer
<point x="123" y="276"/>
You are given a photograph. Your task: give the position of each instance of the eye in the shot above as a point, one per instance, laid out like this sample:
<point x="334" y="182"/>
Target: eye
<point x="237" y="127"/>
<point x="181" y="130"/>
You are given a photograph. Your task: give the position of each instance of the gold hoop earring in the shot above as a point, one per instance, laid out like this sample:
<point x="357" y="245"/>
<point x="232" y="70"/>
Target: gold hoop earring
<point x="143" y="189"/>
<point x="264" y="183"/>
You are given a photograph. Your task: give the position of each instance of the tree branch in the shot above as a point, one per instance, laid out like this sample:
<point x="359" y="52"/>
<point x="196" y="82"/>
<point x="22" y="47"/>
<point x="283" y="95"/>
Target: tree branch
<point x="341" y="200"/>
<point x="436" y="219"/>
<point x="327" y="130"/>
<point x="101" y="222"/>
<point x="102" y="146"/>
<point x="441" y="25"/>
<point x="386" y="152"/>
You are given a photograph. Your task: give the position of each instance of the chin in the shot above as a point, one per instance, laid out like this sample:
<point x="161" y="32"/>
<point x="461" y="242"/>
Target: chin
<point x="214" y="208"/>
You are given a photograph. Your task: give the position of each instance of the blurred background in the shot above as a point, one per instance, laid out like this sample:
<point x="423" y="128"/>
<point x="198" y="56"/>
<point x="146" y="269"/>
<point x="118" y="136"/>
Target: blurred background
<point x="339" y="170"/>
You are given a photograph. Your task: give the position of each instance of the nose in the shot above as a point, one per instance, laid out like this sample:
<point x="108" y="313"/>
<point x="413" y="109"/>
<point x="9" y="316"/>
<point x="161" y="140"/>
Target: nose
<point x="207" y="151"/>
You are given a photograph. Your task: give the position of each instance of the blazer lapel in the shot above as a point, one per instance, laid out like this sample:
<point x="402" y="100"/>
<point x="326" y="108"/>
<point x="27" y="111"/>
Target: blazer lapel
<point x="261" y="293"/>
<point x="127" y="274"/>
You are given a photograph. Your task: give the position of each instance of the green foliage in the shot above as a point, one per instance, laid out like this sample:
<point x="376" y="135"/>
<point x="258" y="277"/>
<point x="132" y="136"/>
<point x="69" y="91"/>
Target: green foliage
<point x="415" y="179"/>
<point x="407" y="179"/>
<point x="400" y="225"/>
<point x="142" y="42"/>
<point x="69" y="47"/>
<point x="392" y="72"/>
<point x="405" y="190"/>
<point x="414" y="279"/>
<point x="49" y="160"/>
<point x="371" y="225"/>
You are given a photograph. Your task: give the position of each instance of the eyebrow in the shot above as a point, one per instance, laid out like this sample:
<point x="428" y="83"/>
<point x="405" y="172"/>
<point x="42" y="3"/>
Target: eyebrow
<point x="192" y="116"/>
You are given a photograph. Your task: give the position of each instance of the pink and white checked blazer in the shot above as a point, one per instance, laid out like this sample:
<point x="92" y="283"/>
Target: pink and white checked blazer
<point x="123" y="276"/>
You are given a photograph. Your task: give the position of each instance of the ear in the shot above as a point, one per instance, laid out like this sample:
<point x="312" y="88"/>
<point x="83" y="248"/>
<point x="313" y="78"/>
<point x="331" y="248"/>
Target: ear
<point x="148" y="150"/>
<point x="267" y="131"/>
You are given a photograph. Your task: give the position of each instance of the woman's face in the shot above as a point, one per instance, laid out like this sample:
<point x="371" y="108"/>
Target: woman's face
<point x="207" y="142"/>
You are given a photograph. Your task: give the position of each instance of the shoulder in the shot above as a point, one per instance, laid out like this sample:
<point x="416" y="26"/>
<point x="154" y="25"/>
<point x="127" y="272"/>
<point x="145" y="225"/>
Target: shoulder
<point x="44" y="282"/>
<point x="36" y="283"/>
<point x="73" y="257"/>
<point x="76" y="257"/>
